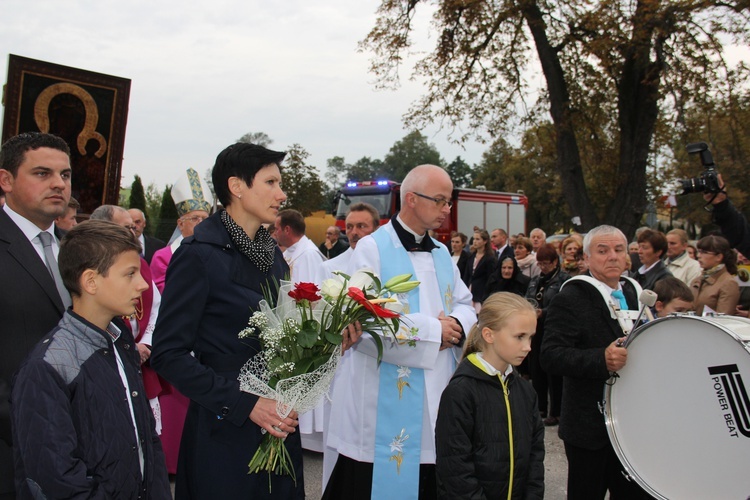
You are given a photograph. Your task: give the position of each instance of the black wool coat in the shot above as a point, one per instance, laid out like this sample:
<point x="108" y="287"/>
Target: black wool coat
<point x="471" y="438"/>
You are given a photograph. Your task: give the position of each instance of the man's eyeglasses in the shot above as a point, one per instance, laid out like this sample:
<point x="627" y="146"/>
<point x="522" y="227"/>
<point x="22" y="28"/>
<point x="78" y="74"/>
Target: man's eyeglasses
<point x="195" y="218"/>
<point x="440" y="202"/>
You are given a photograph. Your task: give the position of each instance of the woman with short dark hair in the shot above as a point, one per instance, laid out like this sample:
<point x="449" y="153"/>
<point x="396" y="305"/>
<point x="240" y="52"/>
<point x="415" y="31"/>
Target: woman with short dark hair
<point x="215" y="281"/>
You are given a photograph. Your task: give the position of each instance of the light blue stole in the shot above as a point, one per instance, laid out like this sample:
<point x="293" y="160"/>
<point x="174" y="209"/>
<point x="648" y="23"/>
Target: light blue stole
<point x="398" y="428"/>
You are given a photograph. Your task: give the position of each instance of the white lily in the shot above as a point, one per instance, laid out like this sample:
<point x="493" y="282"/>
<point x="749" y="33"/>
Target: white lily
<point x="362" y="280"/>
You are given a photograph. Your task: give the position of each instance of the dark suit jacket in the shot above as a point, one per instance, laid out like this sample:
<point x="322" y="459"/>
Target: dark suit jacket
<point x="480" y="275"/>
<point x="30" y="307"/>
<point x="578" y="328"/>
<point x="152" y="245"/>
<point x="507" y="252"/>
<point x="464" y="266"/>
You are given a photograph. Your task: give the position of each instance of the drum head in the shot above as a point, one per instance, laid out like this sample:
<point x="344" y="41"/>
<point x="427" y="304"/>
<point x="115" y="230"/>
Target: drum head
<point x="678" y="415"/>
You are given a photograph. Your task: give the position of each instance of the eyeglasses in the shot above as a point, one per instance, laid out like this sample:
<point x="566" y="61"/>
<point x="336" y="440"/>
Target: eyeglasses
<point x="194" y="218"/>
<point x="440" y="202"/>
<point x="706" y="252"/>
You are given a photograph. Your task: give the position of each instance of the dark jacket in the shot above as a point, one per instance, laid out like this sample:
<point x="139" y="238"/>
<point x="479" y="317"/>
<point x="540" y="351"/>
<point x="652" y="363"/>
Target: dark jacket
<point x="577" y="330"/>
<point x="734" y="226"/>
<point x="480" y="274"/>
<point x="464" y="267"/>
<point x="336" y="250"/>
<point x="471" y="438"/>
<point x="210" y="292"/>
<point x="518" y="282"/>
<point x="72" y="427"/>
<point x="30" y="307"/>
<point x="648" y="280"/>
<point x="152" y="245"/>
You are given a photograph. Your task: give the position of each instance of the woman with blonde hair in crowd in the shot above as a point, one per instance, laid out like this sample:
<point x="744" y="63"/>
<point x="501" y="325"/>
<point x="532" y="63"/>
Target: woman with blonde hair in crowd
<point x="489" y="435"/>
<point x="568" y="250"/>
<point x="716" y="287"/>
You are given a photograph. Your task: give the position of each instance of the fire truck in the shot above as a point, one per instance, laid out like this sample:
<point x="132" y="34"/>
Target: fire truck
<point x="471" y="207"/>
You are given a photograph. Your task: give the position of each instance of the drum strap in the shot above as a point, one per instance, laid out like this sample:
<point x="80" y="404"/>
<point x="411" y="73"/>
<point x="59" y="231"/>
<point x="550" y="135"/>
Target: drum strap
<point x="624" y="318"/>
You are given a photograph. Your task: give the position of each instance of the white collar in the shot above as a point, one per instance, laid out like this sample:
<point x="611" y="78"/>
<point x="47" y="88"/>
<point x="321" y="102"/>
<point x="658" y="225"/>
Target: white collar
<point x="643" y="269"/>
<point x="28" y="228"/>
<point x="491" y="370"/>
<point x="417" y="237"/>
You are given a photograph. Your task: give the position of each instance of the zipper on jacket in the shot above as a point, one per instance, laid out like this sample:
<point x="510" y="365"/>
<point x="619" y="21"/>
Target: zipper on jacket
<point x="510" y="435"/>
<point x="474" y="360"/>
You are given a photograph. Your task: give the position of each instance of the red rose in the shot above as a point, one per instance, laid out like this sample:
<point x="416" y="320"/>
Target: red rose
<point x="305" y="291"/>
<point x="377" y="310"/>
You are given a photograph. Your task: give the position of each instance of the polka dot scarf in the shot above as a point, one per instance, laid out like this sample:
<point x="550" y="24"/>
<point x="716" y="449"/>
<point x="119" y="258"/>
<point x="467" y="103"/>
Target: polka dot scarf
<point x="260" y="251"/>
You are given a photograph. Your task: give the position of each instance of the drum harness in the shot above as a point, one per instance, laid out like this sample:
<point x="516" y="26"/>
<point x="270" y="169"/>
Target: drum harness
<point x="625" y="319"/>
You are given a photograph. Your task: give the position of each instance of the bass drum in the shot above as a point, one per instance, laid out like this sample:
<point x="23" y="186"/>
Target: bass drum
<point x="678" y="414"/>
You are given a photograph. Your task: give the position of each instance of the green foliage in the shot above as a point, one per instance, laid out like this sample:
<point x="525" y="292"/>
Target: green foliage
<point x="407" y="153"/>
<point x="153" y="207"/>
<point x="137" y="195"/>
<point x="259" y="138"/>
<point x="301" y="183"/>
<point x="167" y="216"/>
<point x="461" y="173"/>
<point x="366" y="169"/>
<point x="531" y="169"/>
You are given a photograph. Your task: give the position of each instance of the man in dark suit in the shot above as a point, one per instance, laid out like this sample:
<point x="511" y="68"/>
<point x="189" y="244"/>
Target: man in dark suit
<point x="35" y="176"/>
<point x="499" y="239"/>
<point x="149" y="245"/>
<point x="585" y="353"/>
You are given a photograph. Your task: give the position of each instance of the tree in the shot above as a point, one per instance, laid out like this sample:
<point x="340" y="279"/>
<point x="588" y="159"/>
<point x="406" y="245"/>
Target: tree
<point x="613" y="71"/>
<point x="336" y="172"/>
<point x="407" y="153"/>
<point x="531" y="169"/>
<point x="259" y="138"/>
<point x="168" y="215"/>
<point x="153" y="207"/>
<point x="461" y="173"/>
<point x="366" y="169"/>
<point x="301" y="183"/>
<point x="137" y="195"/>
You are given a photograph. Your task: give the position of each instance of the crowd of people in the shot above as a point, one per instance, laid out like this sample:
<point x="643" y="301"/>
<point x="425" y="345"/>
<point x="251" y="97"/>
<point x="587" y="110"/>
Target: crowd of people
<point x="120" y="353"/>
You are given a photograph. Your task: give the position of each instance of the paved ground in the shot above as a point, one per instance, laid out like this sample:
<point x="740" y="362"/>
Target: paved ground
<point x="555" y="469"/>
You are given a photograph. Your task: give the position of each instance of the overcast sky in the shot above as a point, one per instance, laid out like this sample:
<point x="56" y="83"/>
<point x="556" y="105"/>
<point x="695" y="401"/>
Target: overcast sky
<point x="205" y="73"/>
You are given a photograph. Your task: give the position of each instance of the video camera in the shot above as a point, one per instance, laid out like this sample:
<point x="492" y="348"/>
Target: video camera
<point x="708" y="182"/>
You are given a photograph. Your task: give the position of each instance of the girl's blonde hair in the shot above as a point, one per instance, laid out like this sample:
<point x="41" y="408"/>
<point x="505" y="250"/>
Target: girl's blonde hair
<point x="495" y="312"/>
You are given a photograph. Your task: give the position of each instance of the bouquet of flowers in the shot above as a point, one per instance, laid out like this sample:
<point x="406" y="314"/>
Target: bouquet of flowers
<point x="301" y="344"/>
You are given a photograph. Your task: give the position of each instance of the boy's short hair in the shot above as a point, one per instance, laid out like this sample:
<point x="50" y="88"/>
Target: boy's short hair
<point x="94" y="244"/>
<point x="670" y="288"/>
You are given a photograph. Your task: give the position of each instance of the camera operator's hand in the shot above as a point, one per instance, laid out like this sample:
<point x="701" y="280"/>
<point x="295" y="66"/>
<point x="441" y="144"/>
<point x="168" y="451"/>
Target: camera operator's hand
<point x="719" y="197"/>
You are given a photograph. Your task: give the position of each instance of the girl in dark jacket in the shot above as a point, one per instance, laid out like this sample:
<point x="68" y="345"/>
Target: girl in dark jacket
<point x="489" y="435"/>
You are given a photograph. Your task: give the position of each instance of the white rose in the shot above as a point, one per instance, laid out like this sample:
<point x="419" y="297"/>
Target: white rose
<point x="332" y="287"/>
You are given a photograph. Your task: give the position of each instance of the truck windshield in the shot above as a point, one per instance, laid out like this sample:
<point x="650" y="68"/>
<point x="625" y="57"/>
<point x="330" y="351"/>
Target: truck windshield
<point x="381" y="201"/>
